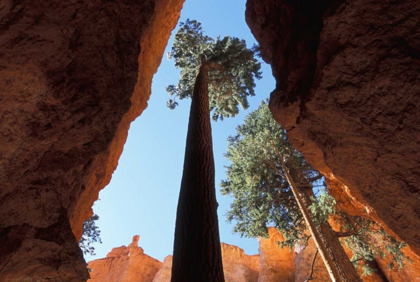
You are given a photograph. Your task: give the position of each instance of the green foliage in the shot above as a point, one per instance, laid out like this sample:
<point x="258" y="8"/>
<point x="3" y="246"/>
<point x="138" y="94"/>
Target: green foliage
<point x="372" y="241"/>
<point x="255" y="179"/>
<point x="91" y="234"/>
<point x="231" y="81"/>
<point x="262" y="196"/>
<point x="322" y="207"/>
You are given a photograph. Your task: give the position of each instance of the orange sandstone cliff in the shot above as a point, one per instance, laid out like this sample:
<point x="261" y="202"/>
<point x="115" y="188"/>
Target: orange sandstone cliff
<point x="237" y="266"/>
<point x="125" y="264"/>
<point x="73" y="75"/>
<point x="347" y="93"/>
<point x="276" y="264"/>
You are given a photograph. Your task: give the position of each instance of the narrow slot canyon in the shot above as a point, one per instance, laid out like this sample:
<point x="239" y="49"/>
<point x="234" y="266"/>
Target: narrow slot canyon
<point x="75" y="74"/>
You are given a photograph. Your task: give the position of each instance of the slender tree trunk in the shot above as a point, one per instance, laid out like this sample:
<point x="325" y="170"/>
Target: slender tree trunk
<point x="197" y="252"/>
<point x="335" y="259"/>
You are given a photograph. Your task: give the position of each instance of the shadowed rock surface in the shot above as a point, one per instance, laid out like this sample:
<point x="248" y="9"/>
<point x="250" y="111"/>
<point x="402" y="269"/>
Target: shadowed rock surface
<point x="73" y="75"/>
<point x="347" y="92"/>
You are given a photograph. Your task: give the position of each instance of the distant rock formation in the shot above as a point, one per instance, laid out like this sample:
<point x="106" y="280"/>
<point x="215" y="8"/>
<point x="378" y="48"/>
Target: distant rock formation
<point x="129" y="264"/>
<point x="164" y="275"/>
<point x="276" y="264"/>
<point x="237" y="266"/>
<point x="125" y="264"/>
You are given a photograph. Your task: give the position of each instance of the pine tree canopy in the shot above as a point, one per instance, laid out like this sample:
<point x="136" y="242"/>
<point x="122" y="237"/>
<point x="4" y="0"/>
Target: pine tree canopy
<point x="263" y="197"/>
<point x="255" y="179"/>
<point x="232" y="68"/>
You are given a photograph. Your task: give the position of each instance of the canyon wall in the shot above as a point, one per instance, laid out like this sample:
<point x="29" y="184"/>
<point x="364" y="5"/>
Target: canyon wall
<point x="347" y="91"/>
<point x="73" y="75"/>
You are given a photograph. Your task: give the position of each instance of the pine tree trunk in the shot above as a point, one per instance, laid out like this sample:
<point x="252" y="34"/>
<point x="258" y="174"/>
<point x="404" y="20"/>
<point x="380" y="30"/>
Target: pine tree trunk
<point x="335" y="252"/>
<point x="197" y="252"/>
<point x="335" y="259"/>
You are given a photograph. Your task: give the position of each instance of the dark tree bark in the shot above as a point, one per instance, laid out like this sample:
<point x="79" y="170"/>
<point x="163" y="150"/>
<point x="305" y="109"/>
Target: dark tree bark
<point x="335" y="258"/>
<point x="338" y="259"/>
<point x="197" y="254"/>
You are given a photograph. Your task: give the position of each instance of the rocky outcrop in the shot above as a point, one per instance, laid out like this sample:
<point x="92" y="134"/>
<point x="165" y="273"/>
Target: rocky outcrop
<point x="347" y="91"/>
<point x="73" y="75"/>
<point x="282" y="265"/>
<point x="164" y="275"/>
<point x="305" y="256"/>
<point x="125" y="264"/>
<point x="410" y="271"/>
<point x="237" y="266"/>
<point x="276" y="264"/>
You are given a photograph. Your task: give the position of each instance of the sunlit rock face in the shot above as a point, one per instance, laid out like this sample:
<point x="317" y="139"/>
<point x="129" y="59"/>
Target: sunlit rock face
<point x="125" y="264"/>
<point x="305" y="259"/>
<point x="276" y="264"/>
<point x="410" y="271"/>
<point x="237" y="266"/>
<point x="73" y="75"/>
<point x="347" y="92"/>
<point x="164" y="274"/>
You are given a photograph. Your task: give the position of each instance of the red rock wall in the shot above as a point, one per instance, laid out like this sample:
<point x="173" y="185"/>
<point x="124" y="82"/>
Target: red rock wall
<point x="73" y="75"/>
<point x="347" y="92"/>
<point x="125" y="264"/>
<point x="303" y="263"/>
<point x="238" y="266"/>
<point x="276" y="264"/>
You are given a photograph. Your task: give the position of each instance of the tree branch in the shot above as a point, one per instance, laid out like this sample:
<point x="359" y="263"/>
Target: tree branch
<point x="216" y="66"/>
<point x="273" y="166"/>
<point x="312" y="268"/>
<point x="356" y="260"/>
<point x="319" y="176"/>
<point x="345" y="234"/>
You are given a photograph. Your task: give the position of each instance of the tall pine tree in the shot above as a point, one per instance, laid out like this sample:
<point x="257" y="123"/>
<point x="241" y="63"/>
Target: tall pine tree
<point x="264" y="169"/>
<point x="218" y="75"/>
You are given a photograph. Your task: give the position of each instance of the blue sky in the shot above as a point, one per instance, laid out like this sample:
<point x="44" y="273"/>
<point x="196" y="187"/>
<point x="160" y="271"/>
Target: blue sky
<point x="143" y="194"/>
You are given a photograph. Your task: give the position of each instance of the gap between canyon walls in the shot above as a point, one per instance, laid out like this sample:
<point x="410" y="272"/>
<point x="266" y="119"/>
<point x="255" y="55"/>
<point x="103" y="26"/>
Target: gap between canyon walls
<point x="73" y="77"/>
<point x="347" y="88"/>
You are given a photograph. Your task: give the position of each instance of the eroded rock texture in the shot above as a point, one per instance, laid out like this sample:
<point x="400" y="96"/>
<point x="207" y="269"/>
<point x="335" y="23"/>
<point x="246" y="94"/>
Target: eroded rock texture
<point x="164" y="274"/>
<point x="304" y="260"/>
<point x="237" y="266"/>
<point x="276" y="264"/>
<point x="73" y="75"/>
<point x="347" y="92"/>
<point x="125" y="264"/>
